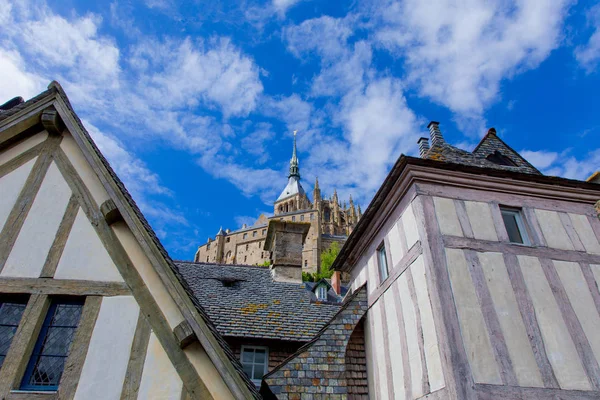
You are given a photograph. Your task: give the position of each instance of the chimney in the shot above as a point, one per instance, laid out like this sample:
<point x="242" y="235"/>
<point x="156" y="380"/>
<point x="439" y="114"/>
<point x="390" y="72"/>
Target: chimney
<point x="423" y="146"/>
<point x="244" y="226"/>
<point x="492" y="131"/>
<point x="435" y="133"/>
<point x="285" y="240"/>
<point x="336" y="282"/>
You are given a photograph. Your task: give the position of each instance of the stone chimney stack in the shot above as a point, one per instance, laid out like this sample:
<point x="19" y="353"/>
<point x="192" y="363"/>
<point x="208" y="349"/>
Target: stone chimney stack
<point x="492" y="131"/>
<point x="285" y="240"/>
<point x="435" y="133"/>
<point x="423" y="146"/>
<point x="336" y="282"/>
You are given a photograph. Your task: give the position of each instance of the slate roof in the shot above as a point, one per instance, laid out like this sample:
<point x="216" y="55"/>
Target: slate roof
<point x="244" y="301"/>
<point x="442" y="151"/>
<point x="55" y="88"/>
<point x="292" y="188"/>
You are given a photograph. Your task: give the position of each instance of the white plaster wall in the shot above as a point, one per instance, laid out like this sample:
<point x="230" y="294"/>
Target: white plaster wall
<point x="581" y="299"/>
<point x="480" y="218"/>
<point x="370" y="356"/>
<point x="160" y="380"/>
<point x="39" y="230"/>
<point x="410" y="328"/>
<point x="11" y="185"/>
<point x="585" y="232"/>
<point x="379" y="349"/>
<point x="84" y="256"/>
<point x="85" y="171"/>
<point x="472" y="325"/>
<point x="445" y="212"/>
<point x="373" y="275"/>
<point x="409" y="223"/>
<point x="554" y="232"/>
<point x="558" y="342"/>
<point x="394" y="240"/>
<point x="430" y="342"/>
<point x="149" y="276"/>
<point x="22" y="147"/>
<point x="511" y="322"/>
<point x="207" y="372"/>
<point x="105" y="365"/>
<point x="395" y="348"/>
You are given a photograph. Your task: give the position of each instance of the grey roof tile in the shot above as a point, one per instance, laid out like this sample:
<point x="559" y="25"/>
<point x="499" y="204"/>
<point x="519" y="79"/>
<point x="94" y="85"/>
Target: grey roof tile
<point x="244" y="301"/>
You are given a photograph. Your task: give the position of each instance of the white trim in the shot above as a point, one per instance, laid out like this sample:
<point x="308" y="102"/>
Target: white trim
<point x="257" y="382"/>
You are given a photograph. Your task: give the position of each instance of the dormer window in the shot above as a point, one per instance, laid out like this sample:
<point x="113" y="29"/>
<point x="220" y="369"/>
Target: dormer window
<point x="322" y="293"/>
<point x="500" y="159"/>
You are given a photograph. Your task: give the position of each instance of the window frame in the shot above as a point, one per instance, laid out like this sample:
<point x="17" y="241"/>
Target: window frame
<point x="521" y="224"/>
<point x="321" y="288"/>
<point x="39" y="341"/>
<point x="13" y="299"/>
<point x="266" y="365"/>
<point x="381" y="251"/>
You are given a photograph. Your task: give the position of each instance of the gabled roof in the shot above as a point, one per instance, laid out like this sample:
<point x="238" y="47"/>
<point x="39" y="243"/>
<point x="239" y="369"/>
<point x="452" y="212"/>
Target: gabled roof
<point x="214" y="345"/>
<point x="491" y="143"/>
<point x="245" y="301"/>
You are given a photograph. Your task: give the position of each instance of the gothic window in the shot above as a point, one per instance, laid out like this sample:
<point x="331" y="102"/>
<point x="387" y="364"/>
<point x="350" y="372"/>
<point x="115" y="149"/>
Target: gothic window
<point x="327" y="215"/>
<point x="47" y="361"/>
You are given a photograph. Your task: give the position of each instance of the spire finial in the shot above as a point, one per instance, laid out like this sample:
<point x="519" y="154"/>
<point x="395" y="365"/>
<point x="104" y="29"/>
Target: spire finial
<point x="294" y="170"/>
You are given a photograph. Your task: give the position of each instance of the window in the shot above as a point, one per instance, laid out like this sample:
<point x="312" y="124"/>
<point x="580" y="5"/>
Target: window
<point x="312" y="217"/>
<point x="207" y="258"/>
<point x="382" y="261"/>
<point x="306" y="263"/>
<point x="322" y="293"/>
<point x="264" y="232"/>
<point x="11" y="311"/>
<point x="208" y="246"/>
<point x="262" y="254"/>
<point x="246" y="247"/>
<point x="294" y="218"/>
<point x="245" y="236"/>
<point x="254" y="234"/>
<point x="515" y="226"/>
<point x="47" y="361"/>
<point x="327" y="215"/>
<point x="500" y="159"/>
<point x="302" y="218"/>
<point x="255" y="361"/>
<point x="228" y="256"/>
<point x="245" y="258"/>
<point x="228" y="240"/>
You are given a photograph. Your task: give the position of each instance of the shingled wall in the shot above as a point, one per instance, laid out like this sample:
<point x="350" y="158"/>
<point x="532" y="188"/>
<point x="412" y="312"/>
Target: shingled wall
<point x="318" y="369"/>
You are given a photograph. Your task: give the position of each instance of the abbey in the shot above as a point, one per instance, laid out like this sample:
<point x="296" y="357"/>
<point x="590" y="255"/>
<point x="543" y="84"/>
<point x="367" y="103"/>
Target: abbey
<point x="329" y="222"/>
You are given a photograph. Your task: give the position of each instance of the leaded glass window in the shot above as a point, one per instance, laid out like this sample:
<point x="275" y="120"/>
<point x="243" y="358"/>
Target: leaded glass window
<point x="255" y="361"/>
<point x="11" y="311"/>
<point x="51" y="350"/>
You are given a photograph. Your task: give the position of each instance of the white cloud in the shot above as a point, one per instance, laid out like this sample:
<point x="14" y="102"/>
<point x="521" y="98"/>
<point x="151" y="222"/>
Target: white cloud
<point x="457" y="53"/>
<point x="588" y="55"/>
<point x="564" y="164"/>
<point x="16" y="80"/>
<point x="281" y="6"/>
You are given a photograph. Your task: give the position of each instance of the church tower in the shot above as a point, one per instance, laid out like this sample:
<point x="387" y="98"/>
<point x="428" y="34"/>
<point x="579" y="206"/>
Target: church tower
<point x="293" y="197"/>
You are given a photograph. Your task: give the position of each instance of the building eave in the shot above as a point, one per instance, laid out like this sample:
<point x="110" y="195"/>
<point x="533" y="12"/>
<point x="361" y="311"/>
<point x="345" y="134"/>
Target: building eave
<point x="409" y="171"/>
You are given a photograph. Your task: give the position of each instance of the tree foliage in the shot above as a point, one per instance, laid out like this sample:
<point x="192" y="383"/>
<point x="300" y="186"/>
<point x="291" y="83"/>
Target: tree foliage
<point x="328" y="256"/>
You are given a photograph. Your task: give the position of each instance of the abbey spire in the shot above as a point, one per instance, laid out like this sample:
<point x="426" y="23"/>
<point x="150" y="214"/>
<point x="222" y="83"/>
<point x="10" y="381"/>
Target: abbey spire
<point x="294" y="169"/>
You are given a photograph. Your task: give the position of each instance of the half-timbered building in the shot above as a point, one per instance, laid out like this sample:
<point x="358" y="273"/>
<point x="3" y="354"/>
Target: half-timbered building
<point x="91" y="305"/>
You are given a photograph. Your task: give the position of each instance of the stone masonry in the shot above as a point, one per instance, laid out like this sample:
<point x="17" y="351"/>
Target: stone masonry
<point x="318" y="369"/>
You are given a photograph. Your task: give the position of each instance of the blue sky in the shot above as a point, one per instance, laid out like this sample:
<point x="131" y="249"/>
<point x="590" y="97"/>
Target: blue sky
<point x="194" y="102"/>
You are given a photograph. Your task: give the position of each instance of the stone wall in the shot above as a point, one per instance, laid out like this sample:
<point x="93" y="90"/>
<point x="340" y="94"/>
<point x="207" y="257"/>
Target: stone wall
<point x="318" y="370"/>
